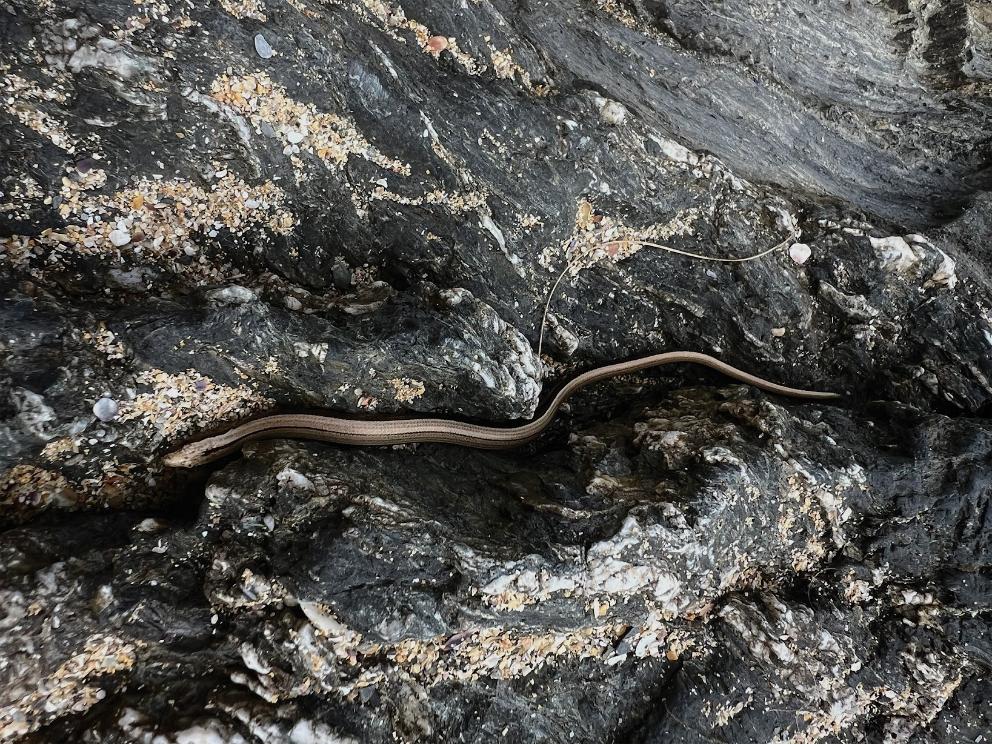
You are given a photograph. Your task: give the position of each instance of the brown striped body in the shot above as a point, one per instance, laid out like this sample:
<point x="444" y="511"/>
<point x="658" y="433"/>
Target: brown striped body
<point x="404" y="431"/>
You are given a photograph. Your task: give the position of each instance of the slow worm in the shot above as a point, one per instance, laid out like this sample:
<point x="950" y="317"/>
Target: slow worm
<point x="403" y="431"/>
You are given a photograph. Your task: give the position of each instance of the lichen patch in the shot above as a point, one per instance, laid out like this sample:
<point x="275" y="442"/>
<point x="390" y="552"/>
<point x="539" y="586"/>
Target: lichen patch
<point x="29" y="488"/>
<point x="407" y="389"/>
<point x="254" y="9"/>
<point x="301" y="127"/>
<point x="152" y="222"/>
<point x="105" y="341"/>
<point x="496" y="652"/>
<point x="394" y="19"/>
<point x="24" y="99"/>
<point x="73" y="186"/>
<point x="73" y="688"/>
<point x="456" y="203"/>
<point x="180" y="404"/>
<point x="23" y="196"/>
<point x="506" y="68"/>
<point x="598" y="238"/>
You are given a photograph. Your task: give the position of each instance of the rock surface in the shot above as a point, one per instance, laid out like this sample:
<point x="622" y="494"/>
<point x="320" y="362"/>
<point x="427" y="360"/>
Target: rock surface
<point x="365" y="212"/>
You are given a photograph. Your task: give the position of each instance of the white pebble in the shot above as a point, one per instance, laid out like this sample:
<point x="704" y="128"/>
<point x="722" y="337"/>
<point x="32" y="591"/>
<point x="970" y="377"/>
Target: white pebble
<point x="120" y="237"/>
<point x="778" y="332"/>
<point x="294" y="479"/>
<point x="105" y="409"/>
<point x="262" y="47"/>
<point x="800" y="253"/>
<point x="613" y="113"/>
<point x="645" y="645"/>
<point x="292" y="303"/>
<point x="295" y="137"/>
<point x="896" y="255"/>
<point x="149" y="525"/>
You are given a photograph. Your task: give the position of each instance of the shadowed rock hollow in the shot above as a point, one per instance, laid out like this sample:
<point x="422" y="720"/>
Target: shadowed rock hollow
<point x="213" y="210"/>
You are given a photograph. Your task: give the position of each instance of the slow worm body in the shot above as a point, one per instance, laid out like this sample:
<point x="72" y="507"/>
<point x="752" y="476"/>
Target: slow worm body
<point x="404" y="431"/>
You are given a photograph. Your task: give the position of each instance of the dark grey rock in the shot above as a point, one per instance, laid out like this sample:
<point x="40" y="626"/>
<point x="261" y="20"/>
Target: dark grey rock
<point x="370" y="222"/>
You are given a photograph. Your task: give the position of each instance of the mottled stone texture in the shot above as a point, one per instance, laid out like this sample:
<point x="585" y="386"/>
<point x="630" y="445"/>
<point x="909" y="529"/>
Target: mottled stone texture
<point x="369" y="221"/>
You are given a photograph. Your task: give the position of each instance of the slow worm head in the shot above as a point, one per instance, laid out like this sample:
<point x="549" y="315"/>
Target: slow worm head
<point x="405" y="431"/>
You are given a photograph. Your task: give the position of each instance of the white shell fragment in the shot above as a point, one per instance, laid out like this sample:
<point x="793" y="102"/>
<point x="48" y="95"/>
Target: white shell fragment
<point x="262" y="47"/>
<point x="895" y="253"/>
<point x="105" y="409"/>
<point x="613" y="113"/>
<point x="119" y="237"/>
<point x="800" y="253"/>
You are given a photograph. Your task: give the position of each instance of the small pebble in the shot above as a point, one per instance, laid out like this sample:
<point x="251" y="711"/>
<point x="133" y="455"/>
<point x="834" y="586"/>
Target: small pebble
<point x="262" y="47"/>
<point x="295" y="137"/>
<point x="613" y="113"/>
<point x="149" y="525"/>
<point x="778" y="332"/>
<point x="120" y="237"/>
<point x="105" y="409"/>
<point x="800" y="253"/>
<point x="292" y="303"/>
<point x="437" y="43"/>
<point x="231" y="295"/>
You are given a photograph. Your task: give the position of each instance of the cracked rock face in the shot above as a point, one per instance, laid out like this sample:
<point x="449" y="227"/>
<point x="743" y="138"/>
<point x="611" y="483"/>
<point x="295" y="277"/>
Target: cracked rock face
<point x="209" y="211"/>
